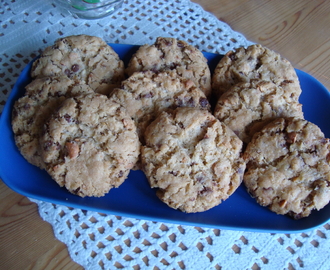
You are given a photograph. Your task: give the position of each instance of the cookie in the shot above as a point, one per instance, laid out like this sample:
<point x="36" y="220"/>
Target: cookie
<point x="42" y="96"/>
<point x="89" y="145"/>
<point x="82" y="57"/>
<point x="246" y="107"/>
<point x="288" y="167"/>
<point x="173" y="54"/>
<point x="254" y="63"/>
<point x="192" y="159"/>
<point x="146" y="94"/>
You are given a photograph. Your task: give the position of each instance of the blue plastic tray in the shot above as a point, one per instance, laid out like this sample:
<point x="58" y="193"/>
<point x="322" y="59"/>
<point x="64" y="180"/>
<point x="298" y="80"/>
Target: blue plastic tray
<point x="134" y="198"/>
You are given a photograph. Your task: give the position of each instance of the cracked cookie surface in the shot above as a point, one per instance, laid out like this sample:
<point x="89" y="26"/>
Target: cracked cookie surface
<point x="288" y="167"/>
<point x="254" y="63"/>
<point x="89" y="145"/>
<point x="42" y="96"/>
<point x="246" y="107"/>
<point x="82" y="57"/>
<point x="192" y="159"/>
<point x="146" y="94"/>
<point x="173" y="54"/>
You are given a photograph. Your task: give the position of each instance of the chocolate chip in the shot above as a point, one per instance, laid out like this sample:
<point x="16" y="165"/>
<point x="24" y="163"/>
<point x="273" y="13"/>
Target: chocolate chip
<point x="172" y="66"/>
<point x="180" y="44"/>
<point x="258" y="65"/>
<point x="75" y="67"/>
<point x="179" y="102"/>
<point x="120" y="174"/>
<point x="168" y="42"/>
<point x="48" y="145"/>
<point x="67" y="72"/>
<point x="324" y="141"/>
<point x="76" y="191"/>
<point x="203" y="102"/>
<point x="67" y="117"/>
<point x="174" y="173"/>
<point x="58" y="146"/>
<point x="287" y="81"/>
<point x="200" y="179"/>
<point x="205" y="191"/>
<point x="232" y="56"/>
<point x="180" y="124"/>
<point x="148" y="95"/>
<point x="191" y="102"/>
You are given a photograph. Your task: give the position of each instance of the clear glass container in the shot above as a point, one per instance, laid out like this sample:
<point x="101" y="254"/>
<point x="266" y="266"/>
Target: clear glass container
<point x="91" y="9"/>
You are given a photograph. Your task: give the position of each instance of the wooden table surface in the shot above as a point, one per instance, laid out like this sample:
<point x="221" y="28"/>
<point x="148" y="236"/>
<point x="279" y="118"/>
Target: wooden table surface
<point x="298" y="30"/>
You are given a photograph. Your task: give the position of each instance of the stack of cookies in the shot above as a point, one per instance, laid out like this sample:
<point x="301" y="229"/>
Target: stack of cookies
<point x="191" y="158"/>
<point x="88" y="120"/>
<point x="287" y="158"/>
<point x="65" y="122"/>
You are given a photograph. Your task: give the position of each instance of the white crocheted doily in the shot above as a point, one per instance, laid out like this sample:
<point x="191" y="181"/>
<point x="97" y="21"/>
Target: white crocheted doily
<point x="98" y="241"/>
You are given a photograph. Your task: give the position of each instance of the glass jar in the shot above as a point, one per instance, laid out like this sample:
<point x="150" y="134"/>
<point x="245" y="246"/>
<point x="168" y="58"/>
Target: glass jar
<point x="91" y="9"/>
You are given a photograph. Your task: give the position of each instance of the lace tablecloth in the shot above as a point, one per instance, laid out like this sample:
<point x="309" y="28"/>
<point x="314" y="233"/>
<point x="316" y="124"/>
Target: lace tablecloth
<point x="98" y="241"/>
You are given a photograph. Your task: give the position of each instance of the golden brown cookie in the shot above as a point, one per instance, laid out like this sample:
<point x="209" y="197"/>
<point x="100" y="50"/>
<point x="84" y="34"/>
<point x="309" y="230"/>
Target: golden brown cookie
<point x="42" y="96"/>
<point x="246" y="107"/>
<point x="146" y="94"/>
<point x="89" y="145"/>
<point x="288" y="167"/>
<point x="82" y="57"/>
<point x="192" y="159"/>
<point x="173" y="54"/>
<point x="254" y="63"/>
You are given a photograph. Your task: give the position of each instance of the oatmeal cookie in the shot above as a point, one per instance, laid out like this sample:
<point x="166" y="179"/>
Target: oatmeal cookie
<point x="146" y="94"/>
<point x="288" y="167"/>
<point x="89" y="145"/>
<point x="246" y="107"/>
<point x="173" y="54"/>
<point x="41" y="98"/>
<point x="254" y="63"/>
<point x="192" y="159"/>
<point x="82" y="57"/>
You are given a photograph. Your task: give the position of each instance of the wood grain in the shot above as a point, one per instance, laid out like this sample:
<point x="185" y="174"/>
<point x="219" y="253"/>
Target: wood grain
<point x="26" y="241"/>
<point x="299" y="30"/>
